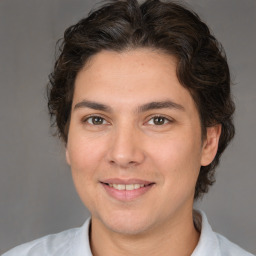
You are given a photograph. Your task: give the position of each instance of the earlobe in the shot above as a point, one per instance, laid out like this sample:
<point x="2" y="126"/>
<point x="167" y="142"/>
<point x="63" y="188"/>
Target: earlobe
<point x="210" y="145"/>
<point x="67" y="156"/>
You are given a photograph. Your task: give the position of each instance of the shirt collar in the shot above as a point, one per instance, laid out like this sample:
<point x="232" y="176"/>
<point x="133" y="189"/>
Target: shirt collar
<point x="81" y="245"/>
<point x="208" y="242"/>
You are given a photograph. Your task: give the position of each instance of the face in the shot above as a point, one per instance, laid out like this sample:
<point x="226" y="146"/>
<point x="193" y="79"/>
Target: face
<point x="134" y="141"/>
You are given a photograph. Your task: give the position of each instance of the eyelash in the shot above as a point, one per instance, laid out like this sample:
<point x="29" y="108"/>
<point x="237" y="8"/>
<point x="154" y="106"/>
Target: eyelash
<point x="164" y="119"/>
<point x="94" y="116"/>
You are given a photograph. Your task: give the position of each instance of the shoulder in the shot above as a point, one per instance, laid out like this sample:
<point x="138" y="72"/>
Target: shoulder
<point x="55" y="244"/>
<point x="228" y="248"/>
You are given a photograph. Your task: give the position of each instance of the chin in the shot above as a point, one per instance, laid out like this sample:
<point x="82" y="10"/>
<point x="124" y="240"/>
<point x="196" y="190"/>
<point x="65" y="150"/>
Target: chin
<point x="128" y="223"/>
<point x="129" y="228"/>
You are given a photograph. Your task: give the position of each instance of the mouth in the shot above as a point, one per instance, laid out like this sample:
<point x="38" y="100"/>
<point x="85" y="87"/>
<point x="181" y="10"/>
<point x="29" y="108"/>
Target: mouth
<point x="126" y="190"/>
<point x="126" y="186"/>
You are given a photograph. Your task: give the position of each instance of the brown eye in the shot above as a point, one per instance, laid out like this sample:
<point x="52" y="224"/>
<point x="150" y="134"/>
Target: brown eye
<point x="158" y="120"/>
<point x="96" y="120"/>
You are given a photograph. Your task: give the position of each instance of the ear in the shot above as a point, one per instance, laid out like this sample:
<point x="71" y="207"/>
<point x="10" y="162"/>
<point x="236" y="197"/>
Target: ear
<point x="67" y="155"/>
<point x="210" y="144"/>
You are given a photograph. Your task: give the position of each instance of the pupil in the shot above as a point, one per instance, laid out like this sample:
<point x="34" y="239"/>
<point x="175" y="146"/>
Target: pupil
<point x="159" y="120"/>
<point x="97" y="120"/>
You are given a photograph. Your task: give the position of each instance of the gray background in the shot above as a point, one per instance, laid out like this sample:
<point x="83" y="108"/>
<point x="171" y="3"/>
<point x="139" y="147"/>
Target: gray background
<point x="37" y="194"/>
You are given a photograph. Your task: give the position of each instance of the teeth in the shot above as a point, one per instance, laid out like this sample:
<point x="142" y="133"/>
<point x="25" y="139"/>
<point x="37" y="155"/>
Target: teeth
<point x="129" y="187"/>
<point x="119" y="186"/>
<point x="136" y="186"/>
<point x="126" y="187"/>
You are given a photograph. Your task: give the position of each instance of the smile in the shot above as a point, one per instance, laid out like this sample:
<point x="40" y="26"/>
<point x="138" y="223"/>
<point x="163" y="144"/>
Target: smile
<point x="126" y="186"/>
<point x="126" y="190"/>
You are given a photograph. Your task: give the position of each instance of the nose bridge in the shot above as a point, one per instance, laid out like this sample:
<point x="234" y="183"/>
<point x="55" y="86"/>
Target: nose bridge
<point x="126" y="148"/>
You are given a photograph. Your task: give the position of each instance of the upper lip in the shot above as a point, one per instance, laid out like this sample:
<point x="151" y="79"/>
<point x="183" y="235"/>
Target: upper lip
<point x="126" y="181"/>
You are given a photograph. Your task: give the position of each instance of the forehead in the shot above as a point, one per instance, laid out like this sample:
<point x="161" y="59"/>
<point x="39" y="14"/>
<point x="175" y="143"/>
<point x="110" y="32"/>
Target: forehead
<point x="132" y="77"/>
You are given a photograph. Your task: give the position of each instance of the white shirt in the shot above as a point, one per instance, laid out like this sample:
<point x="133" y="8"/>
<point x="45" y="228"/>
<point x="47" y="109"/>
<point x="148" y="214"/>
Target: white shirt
<point x="75" y="242"/>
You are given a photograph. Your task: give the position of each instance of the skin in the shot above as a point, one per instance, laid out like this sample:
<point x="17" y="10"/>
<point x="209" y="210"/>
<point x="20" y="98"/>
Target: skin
<point x="128" y="141"/>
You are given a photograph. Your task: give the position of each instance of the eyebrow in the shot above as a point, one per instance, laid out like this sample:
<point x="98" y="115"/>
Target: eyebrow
<point x="160" y="104"/>
<point x="143" y="108"/>
<point x="93" y="105"/>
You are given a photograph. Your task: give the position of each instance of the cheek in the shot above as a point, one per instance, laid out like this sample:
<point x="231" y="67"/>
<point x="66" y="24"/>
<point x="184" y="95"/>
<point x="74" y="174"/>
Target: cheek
<point x="178" y="160"/>
<point x="85" y="158"/>
<point x="84" y="153"/>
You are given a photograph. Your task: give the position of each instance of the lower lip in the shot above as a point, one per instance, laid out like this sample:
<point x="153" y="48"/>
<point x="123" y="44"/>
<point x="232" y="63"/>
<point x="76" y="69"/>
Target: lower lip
<point x="126" y="195"/>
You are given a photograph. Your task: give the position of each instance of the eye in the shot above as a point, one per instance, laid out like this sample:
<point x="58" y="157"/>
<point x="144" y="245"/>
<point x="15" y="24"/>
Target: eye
<point x="158" y="120"/>
<point x="95" y="120"/>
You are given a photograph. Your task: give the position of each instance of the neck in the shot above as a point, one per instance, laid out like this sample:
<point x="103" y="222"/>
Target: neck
<point x="178" y="237"/>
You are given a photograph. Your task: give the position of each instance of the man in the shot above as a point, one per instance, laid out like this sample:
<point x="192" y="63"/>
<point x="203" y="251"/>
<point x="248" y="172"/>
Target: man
<point x="140" y="95"/>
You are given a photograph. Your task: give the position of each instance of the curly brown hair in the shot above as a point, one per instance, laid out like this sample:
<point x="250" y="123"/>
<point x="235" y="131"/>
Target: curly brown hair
<point x="166" y="26"/>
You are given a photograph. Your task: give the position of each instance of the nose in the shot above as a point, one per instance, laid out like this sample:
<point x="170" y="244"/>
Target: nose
<point x="125" y="149"/>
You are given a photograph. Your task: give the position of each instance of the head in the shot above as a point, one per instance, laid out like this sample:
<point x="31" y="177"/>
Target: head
<point x="166" y="28"/>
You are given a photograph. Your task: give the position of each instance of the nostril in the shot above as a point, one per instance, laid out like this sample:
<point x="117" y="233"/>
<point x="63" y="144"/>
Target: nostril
<point x="133" y="163"/>
<point x="123" y="164"/>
